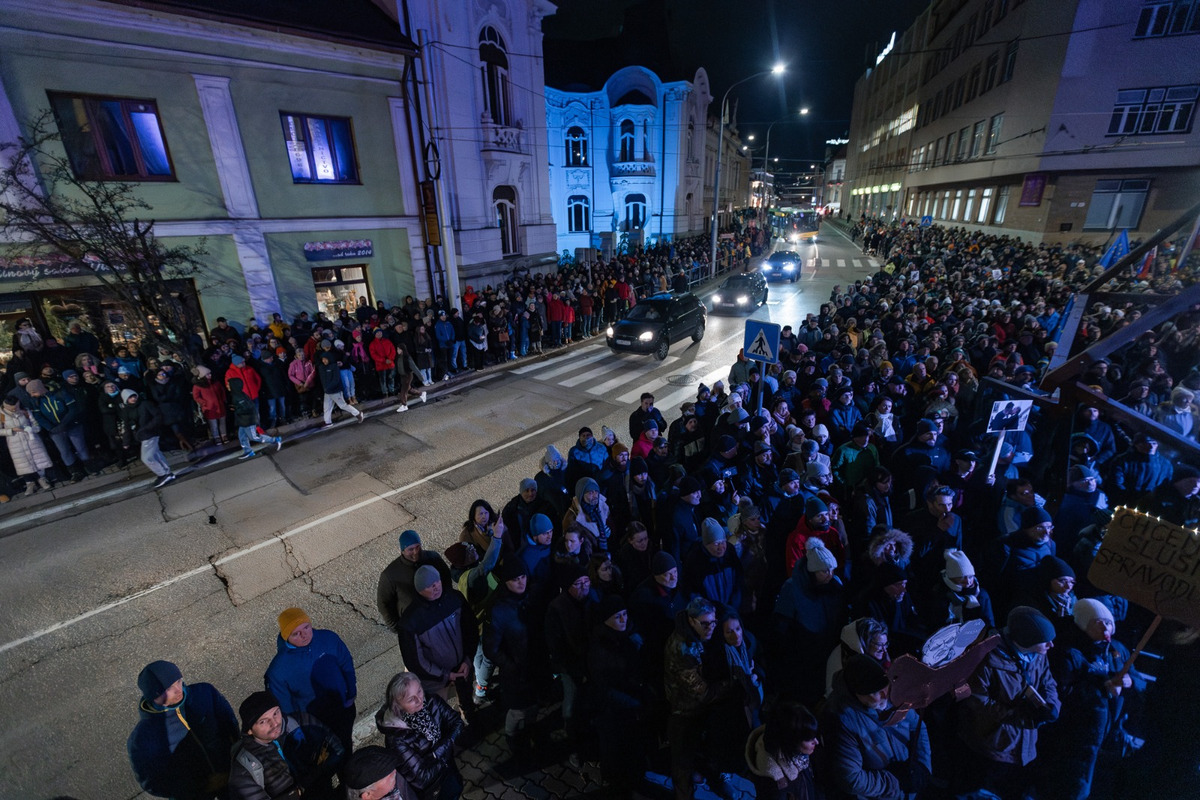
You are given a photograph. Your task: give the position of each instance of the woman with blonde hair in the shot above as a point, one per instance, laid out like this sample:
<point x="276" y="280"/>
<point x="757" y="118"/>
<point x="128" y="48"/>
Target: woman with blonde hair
<point x="421" y="731"/>
<point x="29" y="456"/>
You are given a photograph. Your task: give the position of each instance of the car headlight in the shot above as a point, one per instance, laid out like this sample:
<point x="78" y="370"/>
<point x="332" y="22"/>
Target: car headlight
<point x="794" y="237"/>
<point x="645" y="336"/>
<point x="766" y="267"/>
<point x="608" y="331"/>
<point x="743" y="299"/>
<point x="788" y="267"/>
<point x="716" y="298"/>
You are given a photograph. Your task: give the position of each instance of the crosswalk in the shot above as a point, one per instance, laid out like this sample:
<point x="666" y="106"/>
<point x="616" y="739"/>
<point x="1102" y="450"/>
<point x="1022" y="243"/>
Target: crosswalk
<point x="597" y="372"/>
<point x="842" y="263"/>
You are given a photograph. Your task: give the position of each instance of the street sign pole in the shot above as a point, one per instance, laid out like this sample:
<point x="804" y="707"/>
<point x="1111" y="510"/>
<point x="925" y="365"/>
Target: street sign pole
<point x="761" y="344"/>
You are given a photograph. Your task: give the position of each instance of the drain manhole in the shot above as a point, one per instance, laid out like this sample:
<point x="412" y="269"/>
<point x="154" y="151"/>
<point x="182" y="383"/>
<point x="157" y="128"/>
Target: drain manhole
<point x="684" y="379"/>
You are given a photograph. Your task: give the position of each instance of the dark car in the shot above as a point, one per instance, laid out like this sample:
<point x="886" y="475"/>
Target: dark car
<point x="782" y="264"/>
<point x="657" y="322"/>
<point x="741" y="293"/>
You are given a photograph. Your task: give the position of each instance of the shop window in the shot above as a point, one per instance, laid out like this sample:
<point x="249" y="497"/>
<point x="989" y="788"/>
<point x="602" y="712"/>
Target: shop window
<point x="577" y="147"/>
<point x="504" y="202"/>
<point x="494" y="65"/>
<point x="1116" y="204"/>
<point x="112" y="138"/>
<point x="578" y="212"/>
<point x="340" y="288"/>
<point x="320" y="149"/>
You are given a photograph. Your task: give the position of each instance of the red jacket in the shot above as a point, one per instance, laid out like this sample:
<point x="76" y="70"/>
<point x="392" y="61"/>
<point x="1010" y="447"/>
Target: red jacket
<point x="211" y="399"/>
<point x="251" y="380"/>
<point x="383" y="353"/>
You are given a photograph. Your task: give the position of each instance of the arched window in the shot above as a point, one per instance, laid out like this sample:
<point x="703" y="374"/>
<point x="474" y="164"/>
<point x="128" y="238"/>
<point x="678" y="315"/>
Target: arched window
<point x="504" y="200"/>
<point x="691" y="131"/>
<point x="578" y="212"/>
<point x="627" y="140"/>
<point x="494" y="64"/>
<point x="635" y="212"/>
<point x="577" y="147"/>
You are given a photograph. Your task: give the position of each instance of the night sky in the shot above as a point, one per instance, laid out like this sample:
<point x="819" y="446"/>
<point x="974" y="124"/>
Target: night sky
<point x="824" y="44"/>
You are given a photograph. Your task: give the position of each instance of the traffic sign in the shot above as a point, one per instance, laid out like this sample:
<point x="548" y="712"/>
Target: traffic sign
<point x="762" y="341"/>
<point x="927" y="221"/>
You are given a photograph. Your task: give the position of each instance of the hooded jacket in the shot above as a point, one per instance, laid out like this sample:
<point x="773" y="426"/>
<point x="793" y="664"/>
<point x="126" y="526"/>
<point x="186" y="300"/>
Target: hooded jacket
<point x="316" y="676"/>
<point x="437" y="636"/>
<point x="245" y="411"/>
<point x="688" y="690"/>
<point x="397" y="590"/>
<point x="176" y="750"/>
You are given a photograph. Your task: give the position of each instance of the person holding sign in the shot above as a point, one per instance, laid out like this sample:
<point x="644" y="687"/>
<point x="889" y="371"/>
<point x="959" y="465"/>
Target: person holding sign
<point x="1093" y="687"/>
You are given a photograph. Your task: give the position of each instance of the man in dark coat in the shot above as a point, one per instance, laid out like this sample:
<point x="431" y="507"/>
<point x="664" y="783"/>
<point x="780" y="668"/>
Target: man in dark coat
<point x="644" y="412"/>
<point x="180" y="747"/>
<point x="520" y="510"/>
<point x="282" y="756"/>
<point x="654" y="604"/>
<point x="506" y="645"/>
<point x="438" y="635"/>
<point x="395" y="591"/>
<point x="712" y="570"/>
<point x="568" y="620"/>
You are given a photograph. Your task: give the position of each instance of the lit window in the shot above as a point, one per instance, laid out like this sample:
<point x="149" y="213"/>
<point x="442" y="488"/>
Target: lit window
<point x="112" y="138"/>
<point x="494" y="66"/>
<point x="320" y="149"/>
<point x="977" y="134"/>
<point x="985" y="202"/>
<point x="577" y="147"/>
<point x="993" y="137"/>
<point x="1001" y="205"/>
<point x="1116" y="204"/>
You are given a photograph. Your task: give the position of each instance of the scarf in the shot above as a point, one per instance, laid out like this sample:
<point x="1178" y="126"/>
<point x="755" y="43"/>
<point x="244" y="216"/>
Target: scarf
<point x="886" y="427"/>
<point x="593" y="513"/>
<point x="779" y="767"/>
<point x="961" y="599"/>
<point x="1063" y="605"/>
<point x="422" y="722"/>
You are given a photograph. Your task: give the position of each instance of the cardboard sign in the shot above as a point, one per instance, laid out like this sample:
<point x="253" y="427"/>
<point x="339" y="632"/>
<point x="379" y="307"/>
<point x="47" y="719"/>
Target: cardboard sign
<point x="1152" y="563"/>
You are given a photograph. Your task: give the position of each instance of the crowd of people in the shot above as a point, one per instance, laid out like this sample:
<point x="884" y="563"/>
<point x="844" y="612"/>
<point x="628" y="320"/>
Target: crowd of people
<point x="74" y="408"/>
<point x="724" y="592"/>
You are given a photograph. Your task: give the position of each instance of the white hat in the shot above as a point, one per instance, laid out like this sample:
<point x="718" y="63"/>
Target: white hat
<point x="819" y="557"/>
<point x="1089" y="609"/>
<point x="958" y="565"/>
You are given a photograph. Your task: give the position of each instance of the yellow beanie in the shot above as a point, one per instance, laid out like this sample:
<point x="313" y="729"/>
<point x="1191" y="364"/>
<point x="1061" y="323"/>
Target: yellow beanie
<point x="291" y="619"/>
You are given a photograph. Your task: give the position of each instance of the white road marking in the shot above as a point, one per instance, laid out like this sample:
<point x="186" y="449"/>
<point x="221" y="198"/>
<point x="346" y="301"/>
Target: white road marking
<point x="562" y="366"/>
<point x="680" y="396"/>
<point x="604" y="369"/>
<point x="58" y="626"/>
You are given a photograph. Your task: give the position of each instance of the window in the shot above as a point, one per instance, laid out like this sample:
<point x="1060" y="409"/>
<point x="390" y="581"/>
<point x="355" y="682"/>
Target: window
<point x="1001" y="9"/>
<point x="958" y="197"/>
<point x="949" y="155"/>
<point x="635" y="212"/>
<point x="973" y="83"/>
<point x="321" y="149"/>
<point x="691" y="132"/>
<point x="964" y="142"/>
<point x="977" y="134"/>
<point x="504" y="201"/>
<point x="945" y="205"/>
<point x="577" y="147"/>
<point x="993" y="137"/>
<point x="340" y="288"/>
<point x="1116" y="204"/>
<point x="970" y="206"/>
<point x="937" y="152"/>
<point x="1175" y="18"/>
<point x="112" y="138"/>
<point x="627" y="141"/>
<point x="578" y="212"/>
<point x="985" y="17"/>
<point x="985" y="202"/>
<point x="1163" y="109"/>
<point x="1001" y="205"/>
<point x="1010" y="61"/>
<point x="989" y="72"/>
<point x="494" y="59"/>
<point x="959" y="88"/>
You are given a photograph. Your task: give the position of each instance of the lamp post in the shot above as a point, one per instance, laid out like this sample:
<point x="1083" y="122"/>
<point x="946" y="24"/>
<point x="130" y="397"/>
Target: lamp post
<point x="767" y="159"/>
<point x="775" y="70"/>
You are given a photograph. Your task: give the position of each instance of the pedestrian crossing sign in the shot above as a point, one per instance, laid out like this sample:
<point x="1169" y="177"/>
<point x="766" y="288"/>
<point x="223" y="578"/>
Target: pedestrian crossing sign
<point x="762" y="341"/>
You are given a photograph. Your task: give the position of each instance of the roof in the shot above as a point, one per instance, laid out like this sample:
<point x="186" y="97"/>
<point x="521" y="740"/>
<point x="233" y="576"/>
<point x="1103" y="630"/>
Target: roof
<point x="354" y="22"/>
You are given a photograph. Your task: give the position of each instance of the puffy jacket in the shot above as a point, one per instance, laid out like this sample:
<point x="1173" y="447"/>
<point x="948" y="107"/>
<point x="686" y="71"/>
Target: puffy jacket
<point x="383" y="354"/>
<point x="813" y="613"/>
<point x="172" y="398"/>
<point x="208" y="729"/>
<point x="274" y="378"/>
<point x="995" y="720"/>
<point x="318" y="675"/>
<point x="437" y="636"/>
<point x="421" y="762"/>
<point x="329" y="372"/>
<point x="210" y="398"/>
<point x="149" y="420"/>
<point x="302" y="374"/>
<point x="859" y="747"/>
<point x="251" y="382"/>
<point x="58" y="410"/>
<point x="1135" y="473"/>
<point x="311" y="754"/>
<point x="719" y="579"/>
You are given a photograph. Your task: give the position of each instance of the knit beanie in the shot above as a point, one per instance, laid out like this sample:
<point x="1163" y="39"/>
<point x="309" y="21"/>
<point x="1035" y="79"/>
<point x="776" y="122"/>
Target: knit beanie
<point x="408" y="539"/>
<point x="553" y="459"/>
<point x="712" y="531"/>
<point x="689" y="485"/>
<point x="254" y="706"/>
<point x="528" y="484"/>
<point x="291" y="619"/>
<point x="156" y="677"/>
<point x="1032" y="517"/>
<point x="863" y="675"/>
<point x="539" y="524"/>
<point x="819" y="557"/>
<point x="1089" y="609"/>
<point x="1028" y="627"/>
<point x="638" y="466"/>
<point x="612" y="604"/>
<point x="1081" y="472"/>
<point x="1052" y="567"/>
<point x="816" y="469"/>
<point x="585" y="485"/>
<point x="126" y="394"/>
<point x="958" y="565"/>
<point x="511" y="568"/>
<point x="35" y="386"/>
<point x="662" y="562"/>
<point x="814" y="506"/>
<point x="890" y="572"/>
<point x="427" y="575"/>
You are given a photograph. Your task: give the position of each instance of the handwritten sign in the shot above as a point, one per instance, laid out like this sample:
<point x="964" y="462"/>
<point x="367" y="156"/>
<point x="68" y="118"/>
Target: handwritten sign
<point x="1151" y="562"/>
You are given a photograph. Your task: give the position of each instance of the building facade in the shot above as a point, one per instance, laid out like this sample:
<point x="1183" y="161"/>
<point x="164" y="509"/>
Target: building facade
<point x="285" y="150"/>
<point x="980" y="119"/>
<point x="482" y="79"/>
<point x="627" y="161"/>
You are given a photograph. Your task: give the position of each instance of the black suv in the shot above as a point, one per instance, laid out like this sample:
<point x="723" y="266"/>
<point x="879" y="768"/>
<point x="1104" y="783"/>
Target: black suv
<point x="784" y="264"/>
<point x="657" y="322"/>
<point x="744" y="292"/>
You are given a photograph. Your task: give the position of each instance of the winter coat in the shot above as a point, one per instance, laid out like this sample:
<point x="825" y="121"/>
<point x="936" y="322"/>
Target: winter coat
<point x="274" y="378"/>
<point x="437" y="637"/>
<point x="207" y="728"/>
<point x="210" y="397"/>
<point x="56" y="411"/>
<point x="1012" y="563"/>
<point x="383" y="354"/>
<point x="995" y="720"/>
<point x="717" y="579"/>
<point x="396" y="590"/>
<point x="616" y="666"/>
<point x="316" y="678"/>
<point x="567" y="624"/>
<point x="311" y="754"/>
<point x="575" y="515"/>
<point x="173" y="400"/>
<point x="251" y="382"/>
<point x="689" y="692"/>
<point x="421" y="762"/>
<point x="302" y="374"/>
<point x="1134" y="474"/>
<point x="859" y="747"/>
<point x="506" y="644"/>
<point x="20" y="432"/>
<point x="245" y="410"/>
<point x="149" y="420"/>
<point x="769" y="770"/>
<point x="812" y="614"/>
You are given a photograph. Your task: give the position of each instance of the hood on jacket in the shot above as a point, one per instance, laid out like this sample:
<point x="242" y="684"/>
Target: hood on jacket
<point x="902" y="541"/>
<point x="236" y="386"/>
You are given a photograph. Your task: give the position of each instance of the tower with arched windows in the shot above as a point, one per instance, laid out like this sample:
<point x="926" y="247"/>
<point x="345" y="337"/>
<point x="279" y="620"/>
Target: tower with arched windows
<point x="626" y="161"/>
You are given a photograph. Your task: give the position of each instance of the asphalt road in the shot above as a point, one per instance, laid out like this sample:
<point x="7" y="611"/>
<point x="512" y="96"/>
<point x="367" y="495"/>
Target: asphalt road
<point x="197" y="572"/>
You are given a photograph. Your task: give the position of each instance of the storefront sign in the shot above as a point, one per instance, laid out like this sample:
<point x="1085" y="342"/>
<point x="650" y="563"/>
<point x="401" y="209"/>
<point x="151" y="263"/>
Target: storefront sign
<point x="29" y="270"/>
<point x="1032" y="189"/>
<point x="429" y="214"/>
<point x="1152" y="563"/>
<point x="350" y="248"/>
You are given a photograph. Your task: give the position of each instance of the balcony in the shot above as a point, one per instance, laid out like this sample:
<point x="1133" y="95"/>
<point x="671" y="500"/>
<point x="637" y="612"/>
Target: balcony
<point x="628" y="169"/>
<point x="502" y="138"/>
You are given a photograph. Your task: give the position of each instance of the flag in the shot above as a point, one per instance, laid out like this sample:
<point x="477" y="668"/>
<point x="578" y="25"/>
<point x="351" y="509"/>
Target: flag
<point x="1147" y="270"/>
<point x="1057" y="333"/>
<point x="1116" y="251"/>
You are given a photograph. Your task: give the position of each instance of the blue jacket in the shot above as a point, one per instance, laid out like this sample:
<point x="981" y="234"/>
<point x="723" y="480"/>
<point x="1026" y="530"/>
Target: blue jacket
<point x="56" y="411"/>
<point x="1134" y="474"/>
<point x="319" y="676"/>
<point x="443" y="331"/>
<point x="717" y="579"/>
<point x="173" y="758"/>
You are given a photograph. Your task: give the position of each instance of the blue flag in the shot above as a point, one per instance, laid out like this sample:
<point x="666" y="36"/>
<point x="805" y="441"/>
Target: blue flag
<point x="1057" y="333"/>
<point x="1118" y="250"/>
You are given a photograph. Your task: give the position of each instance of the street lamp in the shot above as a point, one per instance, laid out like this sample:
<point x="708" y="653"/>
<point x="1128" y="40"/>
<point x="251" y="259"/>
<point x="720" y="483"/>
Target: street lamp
<point x="767" y="152"/>
<point x="778" y="69"/>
